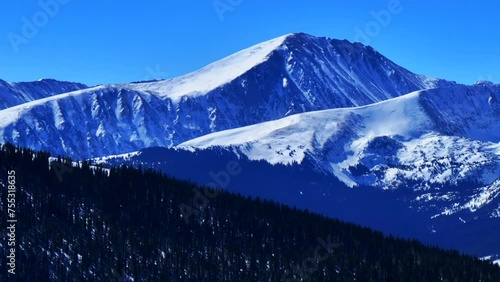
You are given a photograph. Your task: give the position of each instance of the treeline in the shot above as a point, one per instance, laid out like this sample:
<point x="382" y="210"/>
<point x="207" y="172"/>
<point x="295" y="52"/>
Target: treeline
<point x="91" y="224"/>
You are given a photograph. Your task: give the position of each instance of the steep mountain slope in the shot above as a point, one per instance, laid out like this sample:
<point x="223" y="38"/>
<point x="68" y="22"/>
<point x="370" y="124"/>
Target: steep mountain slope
<point x="13" y="94"/>
<point x="429" y="141"/>
<point x="287" y="75"/>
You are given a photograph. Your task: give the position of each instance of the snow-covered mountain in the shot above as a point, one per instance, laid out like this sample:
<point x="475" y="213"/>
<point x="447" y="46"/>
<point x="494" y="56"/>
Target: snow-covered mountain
<point x="291" y="74"/>
<point x="335" y="110"/>
<point x="426" y="141"/>
<point x="13" y="94"/>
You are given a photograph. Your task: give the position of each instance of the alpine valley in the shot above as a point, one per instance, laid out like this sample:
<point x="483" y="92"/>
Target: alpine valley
<point x="317" y="123"/>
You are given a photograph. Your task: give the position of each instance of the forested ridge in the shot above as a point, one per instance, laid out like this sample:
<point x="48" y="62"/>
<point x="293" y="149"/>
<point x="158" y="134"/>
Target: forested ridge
<point x="124" y="224"/>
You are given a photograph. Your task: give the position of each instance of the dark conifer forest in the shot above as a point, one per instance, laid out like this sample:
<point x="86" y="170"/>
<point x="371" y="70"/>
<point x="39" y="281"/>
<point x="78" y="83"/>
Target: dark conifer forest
<point x="87" y="223"/>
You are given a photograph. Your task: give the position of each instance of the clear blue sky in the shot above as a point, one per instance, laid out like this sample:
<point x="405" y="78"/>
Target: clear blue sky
<point x="98" y="42"/>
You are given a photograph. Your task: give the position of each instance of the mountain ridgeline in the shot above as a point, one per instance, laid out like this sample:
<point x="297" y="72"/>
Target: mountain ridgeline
<point x="89" y="224"/>
<point x="288" y="75"/>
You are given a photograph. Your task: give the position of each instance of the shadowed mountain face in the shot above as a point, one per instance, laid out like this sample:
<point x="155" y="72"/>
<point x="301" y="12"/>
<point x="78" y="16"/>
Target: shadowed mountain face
<point x="291" y="74"/>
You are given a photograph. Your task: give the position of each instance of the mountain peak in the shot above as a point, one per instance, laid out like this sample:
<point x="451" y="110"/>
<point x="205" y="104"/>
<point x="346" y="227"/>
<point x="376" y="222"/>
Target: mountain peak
<point x="337" y="59"/>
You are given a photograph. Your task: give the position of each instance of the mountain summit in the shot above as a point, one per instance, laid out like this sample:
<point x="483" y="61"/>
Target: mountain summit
<point x="323" y="70"/>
